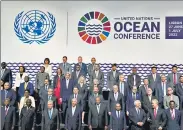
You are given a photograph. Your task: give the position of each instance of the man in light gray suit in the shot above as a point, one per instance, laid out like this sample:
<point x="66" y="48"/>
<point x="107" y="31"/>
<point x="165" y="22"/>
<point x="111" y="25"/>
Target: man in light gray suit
<point x="98" y="118"/>
<point x="97" y="74"/>
<point x="91" y="66"/>
<point x="112" y="77"/>
<point x="170" y="97"/>
<point x="50" y="118"/>
<point x="40" y="78"/>
<point x="65" y="66"/>
<point x="154" y="78"/>
<point x="173" y="78"/>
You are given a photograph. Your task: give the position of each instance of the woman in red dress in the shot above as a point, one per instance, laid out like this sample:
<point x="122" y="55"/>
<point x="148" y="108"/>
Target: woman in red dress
<point x="57" y="86"/>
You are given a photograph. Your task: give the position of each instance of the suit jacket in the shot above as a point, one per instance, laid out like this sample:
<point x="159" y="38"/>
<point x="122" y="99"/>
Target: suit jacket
<point x="19" y="80"/>
<point x="73" y="121"/>
<point x="130" y="80"/>
<point x="142" y="90"/>
<point x="43" y="93"/>
<point x="68" y="68"/>
<point x="111" y="79"/>
<point x="75" y="78"/>
<point x="27" y="118"/>
<point x="79" y="101"/>
<point x="55" y="79"/>
<point x="98" y="120"/>
<point x="126" y="89"/>
<point x="153" y="83"/>
<point x="112" y="102"/>
<point x="181" y="120"/>
<point x="40" y="78"/>
<point x="90" y="69"/>
<point x="118" y="123"/>
<point x="50" y="124"/>
<point x="179" y="91"/>
<point x="83" y="91"/>
<point x="83" y="68"/>
<point x="146" y="104"/>
<point x="134" y="118"/>
<point x="159" y="120"/>
<point x="10" y="94"/>
<point x="66" y="92"/>
<point x="91" y="100"/>
<point x="100" y="78"/>
<point x="7" y="76"/>
<point x="159" y="91"/>
<point x="171" y="80"/>
<point x="45" y="101"/>
<point x="167" y="99"/>
<point x="173" y="124"/>
<point x="8" y="119"/>
<point x="130" y="101"/>
<point x="21" y="89"/>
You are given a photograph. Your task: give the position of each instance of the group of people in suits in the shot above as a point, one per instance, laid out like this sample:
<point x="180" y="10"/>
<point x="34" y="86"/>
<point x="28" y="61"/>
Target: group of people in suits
<point x="155" y="104"/>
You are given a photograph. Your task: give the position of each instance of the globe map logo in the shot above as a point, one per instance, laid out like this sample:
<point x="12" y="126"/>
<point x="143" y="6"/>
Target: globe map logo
<point x="35" y="26"/>
<point x="94" y="27"/>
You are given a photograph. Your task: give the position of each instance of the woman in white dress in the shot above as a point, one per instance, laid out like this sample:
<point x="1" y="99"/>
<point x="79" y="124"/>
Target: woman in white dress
<point x="48" y="68"/>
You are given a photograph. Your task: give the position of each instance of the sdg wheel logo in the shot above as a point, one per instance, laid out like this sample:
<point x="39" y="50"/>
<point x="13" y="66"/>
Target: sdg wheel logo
<point x="94" y="27"/>
<point x="35" y="26"/>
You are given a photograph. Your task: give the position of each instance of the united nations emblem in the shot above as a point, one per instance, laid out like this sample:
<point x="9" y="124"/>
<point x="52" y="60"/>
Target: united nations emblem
<point x="35" y="26"/>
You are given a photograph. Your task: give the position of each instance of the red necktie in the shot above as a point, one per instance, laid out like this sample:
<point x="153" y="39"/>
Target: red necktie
<point x="155" y="113"/>
<point x="174" y="78"/>
<point x="6" y="110"/>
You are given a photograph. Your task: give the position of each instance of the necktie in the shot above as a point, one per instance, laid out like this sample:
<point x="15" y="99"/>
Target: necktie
<point x="64" y="66"/>
<point x="172" y="114"/>
<point x="134" y="80"/>
<point x="138" y="111"/>
<point x="155" y="113"/>
<point x="46" y="87"/>
<point x="6" y="92"/>
<point x="118" y="114"/>
<point x="75" y="96"/>
<point x="6" y="110"/>
<point x="134" y="97"/>
<point x="49" y="98"/>
<point x="77" y="73"/>
<point x="174" y="79"/>
<point x="50" y="114"/>
<point x="98" y="108"/>
<point x="73" y="109"/>
<point x="122" y="88"/>
<point x="115" y="95"/>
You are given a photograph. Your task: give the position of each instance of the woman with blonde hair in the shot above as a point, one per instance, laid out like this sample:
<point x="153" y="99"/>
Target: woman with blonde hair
<point x="83" y="91"/>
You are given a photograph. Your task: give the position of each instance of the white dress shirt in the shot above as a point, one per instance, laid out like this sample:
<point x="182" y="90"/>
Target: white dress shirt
<point x="19" y="80"/>
<point x="98" y="108"/>
<point x="67" y="83"/>
<point x="118" y="114"/>
<point x="164" y="87"/>
<point x="73" y="110"/>
<point x="134" y="80"/>
<point x="114" y="73"/>
<point x="48" y="69"/>
<point x="116" y="96"/>
<point x="96" y="73"/>
<point x="154" y="77"/>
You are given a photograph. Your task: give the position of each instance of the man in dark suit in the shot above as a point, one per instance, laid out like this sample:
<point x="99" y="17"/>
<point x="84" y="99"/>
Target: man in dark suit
<point x="161" y="90"/>
<point x="47" y="97"/>
<point x="179" y="91"/>
<point x="27" y="118"/>
<point x="181" y="124"/>
<point x="123" y="86"/>
<point x="82" y="65"/>
<point x="73" y="116"/>
<point x="173" y="78"/>
<point x="91" y="100"/>
<point x="7" y="92"/>
<point x="50" y="118"/>
<point x="77" y="96"/>
<point x="91" y="66"/>
<point x="97" y="74"/>
<point x="114" y="98"/>
<point x="143" y="88"/>
<point x="173" y="117"/>
<point x="65" y="66"/>
<point x="147" y="99"/>
<point x="7" y="116"/>
<point x="77" y="73"/>
<point x="154" y="78"/>
<point x="137" y="116"/>
<point x="112" y="77"/>
<point x="134" y="95"/>
<point x="6" y="75"/>
<point x="156" y="117"/>
<point x="118" y="119"/>
<point x="66" y="92"/>
<point x="134" y="79"/>
<point x="25" y="86"/>
<point x="98" y="118"/>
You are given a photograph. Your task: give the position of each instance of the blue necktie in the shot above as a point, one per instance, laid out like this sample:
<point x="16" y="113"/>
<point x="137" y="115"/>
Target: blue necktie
<point x="50" y="114"/>
<point x="6" y="92"/>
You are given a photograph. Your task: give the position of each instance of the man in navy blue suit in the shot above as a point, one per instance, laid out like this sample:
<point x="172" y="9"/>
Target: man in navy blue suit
<point x="66" y="91"/>
<point x="6" y="74"/>
<point x="82" y="65"/>
<point x="134" y="95"/>
<point x="7" y="92"/>
<point x="25" y="86"/>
